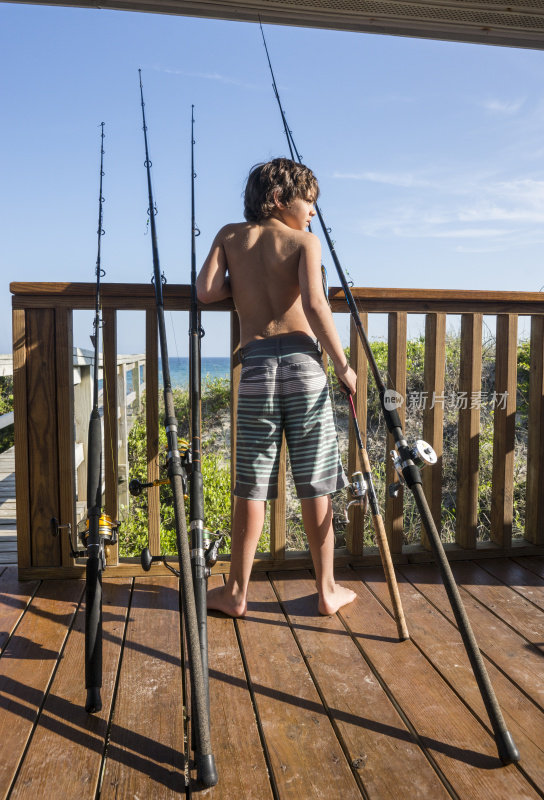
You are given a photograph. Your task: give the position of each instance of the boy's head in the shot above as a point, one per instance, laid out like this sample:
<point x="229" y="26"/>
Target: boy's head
<point x="280" y="179"/>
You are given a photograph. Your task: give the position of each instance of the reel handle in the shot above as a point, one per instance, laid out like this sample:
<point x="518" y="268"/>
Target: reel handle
<point x="135" y="487"/>
<point x="147" y="559"/>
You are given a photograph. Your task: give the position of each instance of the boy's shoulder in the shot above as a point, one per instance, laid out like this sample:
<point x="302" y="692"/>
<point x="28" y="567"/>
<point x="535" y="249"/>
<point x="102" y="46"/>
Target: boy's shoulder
<point x="233" y="228"/>
<point x="241" y="231"/>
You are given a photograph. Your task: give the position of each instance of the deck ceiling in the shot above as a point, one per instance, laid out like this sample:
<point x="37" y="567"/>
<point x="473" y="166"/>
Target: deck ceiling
<point x="483" y="21"/>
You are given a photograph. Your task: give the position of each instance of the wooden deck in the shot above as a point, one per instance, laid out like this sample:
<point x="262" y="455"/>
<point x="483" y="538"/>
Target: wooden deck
<point x="303" y="706"/>
<point x="8" y="532"/>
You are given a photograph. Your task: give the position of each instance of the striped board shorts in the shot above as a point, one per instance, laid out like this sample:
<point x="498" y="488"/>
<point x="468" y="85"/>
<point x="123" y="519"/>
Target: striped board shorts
<point x="283" y="387"/>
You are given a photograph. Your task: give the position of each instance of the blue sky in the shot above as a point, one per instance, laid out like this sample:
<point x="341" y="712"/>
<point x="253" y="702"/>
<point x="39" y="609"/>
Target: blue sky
<point x="430" y="154"/>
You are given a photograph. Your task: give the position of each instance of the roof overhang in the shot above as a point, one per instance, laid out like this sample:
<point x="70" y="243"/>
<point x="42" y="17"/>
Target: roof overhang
<point x="481" y="21"/>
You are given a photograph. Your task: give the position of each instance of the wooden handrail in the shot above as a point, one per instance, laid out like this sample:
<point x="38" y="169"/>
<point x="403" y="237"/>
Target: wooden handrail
<point x="44" y="411"/>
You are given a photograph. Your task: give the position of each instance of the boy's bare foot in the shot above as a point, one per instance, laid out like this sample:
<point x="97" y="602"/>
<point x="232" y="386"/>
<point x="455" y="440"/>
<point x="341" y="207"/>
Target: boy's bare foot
<point x="333" y="599"/>
<point x="222" y="599"/>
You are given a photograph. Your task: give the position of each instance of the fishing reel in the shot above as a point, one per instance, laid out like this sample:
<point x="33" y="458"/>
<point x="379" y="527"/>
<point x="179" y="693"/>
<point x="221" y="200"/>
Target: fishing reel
<point x="422" y="454"/>
<point x="213" y="542"/>
<point x="107" y="531"/>
<point x="359" y="492"/>
<point x="136" y="487"/>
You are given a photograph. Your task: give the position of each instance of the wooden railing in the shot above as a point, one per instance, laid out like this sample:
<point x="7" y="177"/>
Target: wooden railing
<point x="44" y="414"/>
<point x="129" y="404"/>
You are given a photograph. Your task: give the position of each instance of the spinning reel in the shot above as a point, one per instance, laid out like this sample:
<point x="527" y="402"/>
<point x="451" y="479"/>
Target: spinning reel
<point x="107" y="531"/>
<point x="422" y="455"/>
<point x="136" y="487"/>
<point x="213" y="542"/>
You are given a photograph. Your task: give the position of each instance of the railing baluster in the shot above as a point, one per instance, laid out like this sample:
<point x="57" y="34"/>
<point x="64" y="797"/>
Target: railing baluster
<point x="278" y="511"/>
<point x="534" y="515"/>
<point x="111" y="435"/>
<point x="502" y="492"/>
<point x="152" y="428"/>
<point x="22" y="466"/>
<point x="433" y="412"/>
<point x="396" y="369"/>
<point x="470" y="380"/>
<point x="358" y="362"/>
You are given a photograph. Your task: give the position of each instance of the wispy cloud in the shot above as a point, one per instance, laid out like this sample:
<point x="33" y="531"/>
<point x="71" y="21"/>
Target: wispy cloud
<point x="508" y="107"/>
<point x="469" y="208"/>
<point x="207" y="76"/>
<point x="402" y="179"/>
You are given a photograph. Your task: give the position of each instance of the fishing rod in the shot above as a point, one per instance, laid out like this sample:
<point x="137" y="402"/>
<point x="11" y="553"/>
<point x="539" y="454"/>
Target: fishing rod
<point x="408" y="462"/>
<point x="98" y="529"/>
<point x="364" y="495"/>
<point x="362" y="488"/>
<point x="205" y="762"/>
<point x="203" y="549"/>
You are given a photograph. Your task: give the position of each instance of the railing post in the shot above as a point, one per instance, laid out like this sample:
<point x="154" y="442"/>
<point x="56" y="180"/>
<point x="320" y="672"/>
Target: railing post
<point x="65" y="425"/>
<point x="504" y="424"/>
<point x="433" y="413"/>
<point x="358" y="362"/>
<point x="534" y="514"/>
<point x="470" y="381"/>
<point x="396" y="370"/>
<point x="42" y="436"/>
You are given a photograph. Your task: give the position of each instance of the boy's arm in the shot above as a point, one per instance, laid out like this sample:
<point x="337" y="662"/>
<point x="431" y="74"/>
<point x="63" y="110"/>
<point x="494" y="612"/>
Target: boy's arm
<point x="317" y="310"/>
<point x="213" y="283"/>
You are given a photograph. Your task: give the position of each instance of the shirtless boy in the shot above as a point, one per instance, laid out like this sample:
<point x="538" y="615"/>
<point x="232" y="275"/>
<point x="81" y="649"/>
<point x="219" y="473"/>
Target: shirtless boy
<point x="271" y="266"/>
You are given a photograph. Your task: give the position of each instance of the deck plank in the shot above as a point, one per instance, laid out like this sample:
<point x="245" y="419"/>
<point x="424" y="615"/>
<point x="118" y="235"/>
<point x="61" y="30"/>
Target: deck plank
<point x="291" y="692"/>
<point x="236" y="746"/>
<point x="68" y="744"/>
<point x="517" y="577"/>
<point x="14" y="599"/>
<point x="532" y="563"/>
<point x="501" y="600"/>
<point x="509" y="651"/>
<point x="26" y="667"/>
<point x="437" y="637"/>
<point x="380" y="747"/>
<point x="145" y="756"/>
<point x="454" y="739"/>
<point x="305" y="755"/>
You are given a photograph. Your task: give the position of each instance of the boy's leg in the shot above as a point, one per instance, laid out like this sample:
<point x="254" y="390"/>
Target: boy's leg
<point x="247" y="525"/>
<point x="317" y="518"/>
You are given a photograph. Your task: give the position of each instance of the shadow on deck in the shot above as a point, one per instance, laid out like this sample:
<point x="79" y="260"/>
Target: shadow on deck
<point x="302" y="706"/>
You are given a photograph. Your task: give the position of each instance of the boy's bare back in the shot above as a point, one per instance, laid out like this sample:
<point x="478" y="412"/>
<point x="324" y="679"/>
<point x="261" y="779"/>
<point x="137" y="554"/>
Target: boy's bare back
<point x="271" y="265"/>
<point x="263" y="262"/>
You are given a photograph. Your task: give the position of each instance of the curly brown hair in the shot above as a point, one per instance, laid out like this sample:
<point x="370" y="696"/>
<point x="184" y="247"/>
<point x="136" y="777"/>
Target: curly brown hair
<point x="287" y="178"/>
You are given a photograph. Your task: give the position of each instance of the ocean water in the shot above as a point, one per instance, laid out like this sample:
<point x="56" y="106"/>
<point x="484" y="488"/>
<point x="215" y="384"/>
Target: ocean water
<point x="211" y="367"/>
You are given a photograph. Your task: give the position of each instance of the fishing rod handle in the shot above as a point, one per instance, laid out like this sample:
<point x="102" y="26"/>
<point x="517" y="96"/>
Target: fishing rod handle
<point x="390" y="577"/>
<point x="381" y="536"/>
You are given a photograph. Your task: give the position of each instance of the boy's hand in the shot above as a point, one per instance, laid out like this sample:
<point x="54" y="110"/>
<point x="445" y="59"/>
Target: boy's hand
<point x="347" y="378"/>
